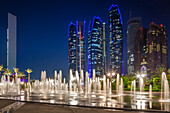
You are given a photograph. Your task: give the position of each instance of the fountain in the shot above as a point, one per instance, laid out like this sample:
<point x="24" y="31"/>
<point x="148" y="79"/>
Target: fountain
<point x="83" y="90"/>
<point x="117" y="83"/>
<point x="150" y="91"/>
<point x="133" y="87"/>
<point x="164" y="88"/>
<point x="121" y="87"/>
<point x="141" y="84"/>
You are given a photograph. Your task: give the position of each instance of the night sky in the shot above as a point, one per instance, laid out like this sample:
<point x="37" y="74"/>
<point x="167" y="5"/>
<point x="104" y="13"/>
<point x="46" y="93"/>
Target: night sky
<point x="42" y="27"/>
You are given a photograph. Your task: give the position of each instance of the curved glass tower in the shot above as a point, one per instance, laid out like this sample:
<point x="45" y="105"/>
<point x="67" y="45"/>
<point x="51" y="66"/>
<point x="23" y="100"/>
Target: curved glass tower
<point x="95" y="46"/>
<point x="115" y="40"/>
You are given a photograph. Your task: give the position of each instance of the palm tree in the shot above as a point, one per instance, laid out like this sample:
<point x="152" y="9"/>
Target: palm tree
<point x="159" y="71"/>
<point x="28" y="71"/>
<point x="21" y="74"/>
<point x="168" y="71"/>
<point x="1" y="68"/>
<point x="16" y="70"/>
<point x="8" y="72"/>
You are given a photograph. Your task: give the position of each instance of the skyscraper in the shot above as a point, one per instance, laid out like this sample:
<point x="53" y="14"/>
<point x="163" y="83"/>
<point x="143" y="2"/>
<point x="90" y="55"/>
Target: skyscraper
<point x="95" y="46"/>
<point x="80" y="45"/>
<point x="151" y="50"/>
<point x="11" y="41"/>
<point x="104" y="62"/>
<point x="133" y="26"/>
<point x="140" y="53"/>
<point x="72" y="47"/>
<point x="115" y="40"/>
<point x="157" y="49"/>
<point x="77" y="46"/>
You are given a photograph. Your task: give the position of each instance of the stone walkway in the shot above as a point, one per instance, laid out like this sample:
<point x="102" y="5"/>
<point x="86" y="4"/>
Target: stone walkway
<point x="48" y="108"/>
<point x="4" y="103"/>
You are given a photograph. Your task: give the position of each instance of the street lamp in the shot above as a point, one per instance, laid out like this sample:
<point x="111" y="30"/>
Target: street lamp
<point x="108" y="74"/>
<point x="138" y="75"/>
<point x="113" y="74"/>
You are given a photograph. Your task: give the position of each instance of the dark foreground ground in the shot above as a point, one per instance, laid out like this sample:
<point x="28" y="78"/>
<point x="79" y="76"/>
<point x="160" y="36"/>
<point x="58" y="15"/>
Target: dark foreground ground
<point x="24" y="107"/>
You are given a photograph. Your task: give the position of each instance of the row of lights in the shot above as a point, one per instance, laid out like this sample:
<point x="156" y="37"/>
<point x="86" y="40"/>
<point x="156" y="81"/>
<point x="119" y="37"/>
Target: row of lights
<point x="109" y="74"/>
<point x="140" y="75"/>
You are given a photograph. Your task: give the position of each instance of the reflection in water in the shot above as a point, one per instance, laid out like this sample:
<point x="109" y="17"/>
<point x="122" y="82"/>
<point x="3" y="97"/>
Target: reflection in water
<point x="73" y="102"/>
<point x="143" y="101"/>
<point x="150" y="104"/>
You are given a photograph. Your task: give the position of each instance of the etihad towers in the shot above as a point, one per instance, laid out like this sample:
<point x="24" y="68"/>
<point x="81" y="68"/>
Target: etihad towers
<point x="76" y="45"/>
<point x="81" y="45"/>
<point x="115" y="40"/>
<point x="72" y="45"/>
<point x="95" y="47"/>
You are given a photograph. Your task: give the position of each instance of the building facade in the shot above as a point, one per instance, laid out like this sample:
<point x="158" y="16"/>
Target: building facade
<point x="140" y="53"/>
<point x="133" y="26"/>
<point x="151" y="49"/>
<point x="95" y="46"/>
<point x="72" y="47"/>
<point x="104" y="62"/>
<point x="80" y="46"/>
<point x="11" y="41"/>
<point x="115" y="40"/>
<point x="157" y="47"/>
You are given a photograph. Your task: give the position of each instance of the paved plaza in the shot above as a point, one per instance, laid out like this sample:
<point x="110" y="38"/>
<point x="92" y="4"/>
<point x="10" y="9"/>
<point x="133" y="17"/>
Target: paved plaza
<point x="49" y="108"/>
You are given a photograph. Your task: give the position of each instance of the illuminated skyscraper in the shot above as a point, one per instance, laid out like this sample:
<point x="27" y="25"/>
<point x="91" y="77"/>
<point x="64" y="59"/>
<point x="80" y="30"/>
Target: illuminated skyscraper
<point x="133" y="26"/>
<point x="77" y="44"/>
<point x="115" y="40"/>
<point x="140" y="53"/>
<point x="151" y="50"/>
<point x="95" y="46"/>
<point x="72" y="47"/>
<point x="157" y="49"/>
<point x="81" y="45"/>
<point x="11" y="41"/>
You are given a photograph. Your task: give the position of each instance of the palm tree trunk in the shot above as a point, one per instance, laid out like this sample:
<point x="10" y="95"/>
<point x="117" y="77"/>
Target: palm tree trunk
<point x="29" y="78"/>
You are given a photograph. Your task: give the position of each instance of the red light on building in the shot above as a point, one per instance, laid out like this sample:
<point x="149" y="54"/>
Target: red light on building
<point x="81" y="36"/>
<point x="161" y="25"/>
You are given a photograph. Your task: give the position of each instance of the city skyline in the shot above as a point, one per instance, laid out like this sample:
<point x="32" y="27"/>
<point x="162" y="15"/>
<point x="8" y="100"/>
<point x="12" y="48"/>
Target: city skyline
<point x="43" y="59"/>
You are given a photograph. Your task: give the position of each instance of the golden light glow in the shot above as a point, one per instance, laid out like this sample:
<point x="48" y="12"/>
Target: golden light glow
<point x="16" y="70"/>
<point x="1" y="67"/>
<point x="28" y="70"/>
<point x="7" y="72"/>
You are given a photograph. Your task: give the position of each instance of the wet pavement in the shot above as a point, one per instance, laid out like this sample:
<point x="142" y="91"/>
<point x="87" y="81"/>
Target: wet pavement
<point x="24" y="107"/>
<point x="5" y="102"/>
